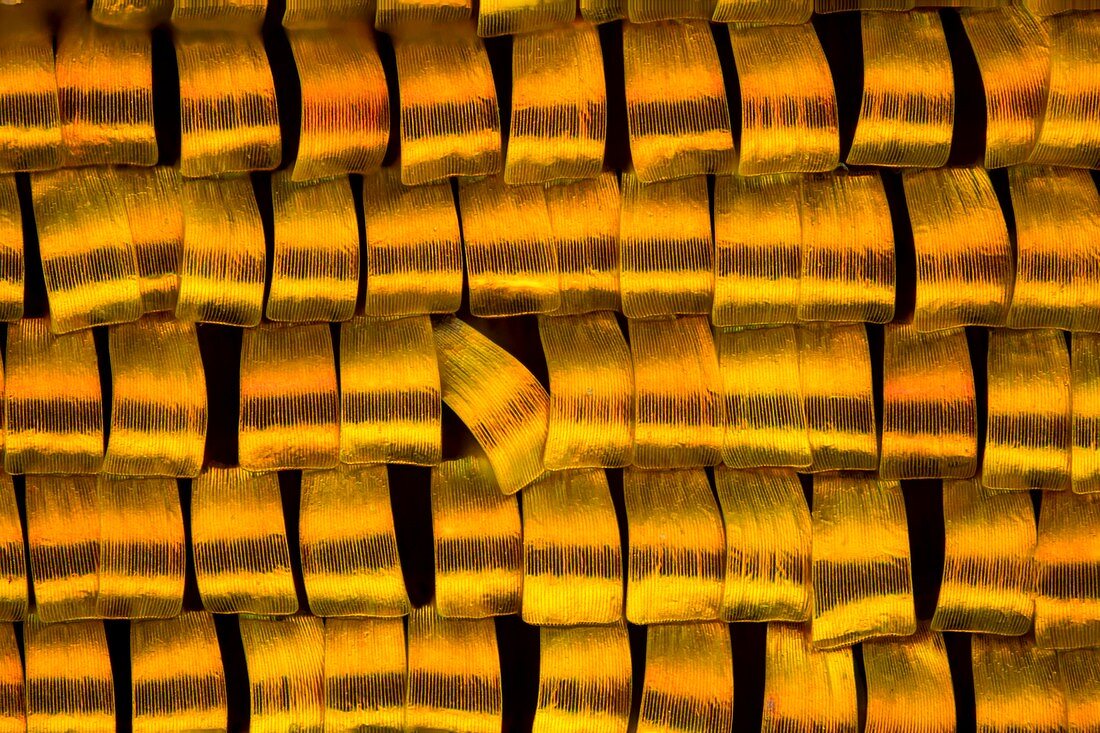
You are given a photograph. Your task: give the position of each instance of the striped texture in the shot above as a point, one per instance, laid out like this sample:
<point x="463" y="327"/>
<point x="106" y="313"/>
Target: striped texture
<point x="572" y="560"/>
<point x="676" y="109"/>
<point x="666" y="248"/>
<point x="478" y="542"/>
<point x="413" y="247"/>
<point x="929" y="421"/>
<point x="350" y="565"/>
<point x="591" y="422"/>
<point x="788" y="106"/>
<point x="584" y="680"/>
<point x="238" y="539"/>
<point x="862" y="581"/>
<point x="496" y="397"/>
<point x="987" y="587"/>
<point x="167" y="697"/>
<point x="511" y="264"/>
<point x="765" y="411"/>
<point x="1027" y="442"/>
<point x="142" y="549"/>
<point x="908" y="107"/>
<point x="390" y="403"/>
<point x="554" y="137"/>
<point x="450" y="124"/>
<point x="345" y="102"/>
<point x="289" y="405"/>
<point x="768" y="541"/>
<point x="678" y="408"/>
<point x="675" y="547"/>
<point x="158" y="400"/>
<point x="315" y="260"/>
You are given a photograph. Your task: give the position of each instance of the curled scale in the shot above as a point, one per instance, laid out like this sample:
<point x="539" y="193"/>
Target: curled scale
<point x="502" y="403"/>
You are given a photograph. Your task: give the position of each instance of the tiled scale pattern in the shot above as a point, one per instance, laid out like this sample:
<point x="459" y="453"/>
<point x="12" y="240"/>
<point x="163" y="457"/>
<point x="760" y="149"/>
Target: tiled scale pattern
<point x="551" y="365"/>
